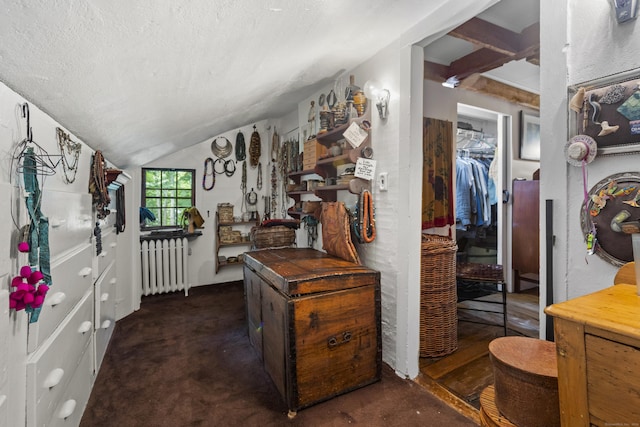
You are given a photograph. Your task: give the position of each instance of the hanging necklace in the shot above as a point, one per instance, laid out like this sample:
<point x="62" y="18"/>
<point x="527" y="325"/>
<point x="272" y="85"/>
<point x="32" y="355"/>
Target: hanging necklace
<point x="240" y="147"/>
<point x="69" y="165"/>
<point x="243" y="187"/>
<point x="259" y="183"/>
<point x="208" y="163"/>
<point x="221" y="151"/>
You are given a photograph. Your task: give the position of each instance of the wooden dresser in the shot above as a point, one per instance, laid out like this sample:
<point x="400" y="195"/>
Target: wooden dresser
<point x="598" y="347"/>
<point x="315" y="321"/>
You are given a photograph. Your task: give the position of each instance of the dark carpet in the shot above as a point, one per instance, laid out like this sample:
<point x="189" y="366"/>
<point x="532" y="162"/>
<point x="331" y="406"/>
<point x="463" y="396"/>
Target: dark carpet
<point x="187" y="361"/>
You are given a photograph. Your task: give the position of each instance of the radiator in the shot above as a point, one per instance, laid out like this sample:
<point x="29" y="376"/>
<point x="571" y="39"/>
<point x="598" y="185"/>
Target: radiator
<point x="165" y="266"/>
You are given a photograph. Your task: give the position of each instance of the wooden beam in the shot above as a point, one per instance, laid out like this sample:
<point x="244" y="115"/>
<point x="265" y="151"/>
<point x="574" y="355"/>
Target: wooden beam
<point x="435" y="72"/>
<point x="484" y="85"/>
<point x="488" y="35"/>
<point x="479" y="61"/>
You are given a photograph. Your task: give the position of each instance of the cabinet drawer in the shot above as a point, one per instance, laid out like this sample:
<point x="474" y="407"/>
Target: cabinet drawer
<point x="51" y="367"/>
<point x="68" y="412"/>
<point x="108" y="253"/>
<point x="70" y="220"/>
<point x="71" y="278"/>
<point x="612" y="381"/>
<point x="105" y="311"/>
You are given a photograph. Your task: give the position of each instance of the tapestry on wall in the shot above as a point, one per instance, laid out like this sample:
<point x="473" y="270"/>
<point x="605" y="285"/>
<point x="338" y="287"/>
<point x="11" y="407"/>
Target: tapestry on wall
<point x="437" y="191"/>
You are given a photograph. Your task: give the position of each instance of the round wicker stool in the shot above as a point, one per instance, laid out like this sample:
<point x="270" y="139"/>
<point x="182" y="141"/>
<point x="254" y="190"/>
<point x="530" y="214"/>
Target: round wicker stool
<point x="525" y="372"/>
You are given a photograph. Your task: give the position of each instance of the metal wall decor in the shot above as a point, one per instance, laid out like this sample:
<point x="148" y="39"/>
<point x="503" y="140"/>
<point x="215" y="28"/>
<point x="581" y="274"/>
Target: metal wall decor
<point x="608" y="110"/>
<point x="606" y="199"/>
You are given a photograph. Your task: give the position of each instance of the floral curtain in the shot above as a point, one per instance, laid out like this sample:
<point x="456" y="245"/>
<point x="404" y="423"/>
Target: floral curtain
<point x="437" y="191"/>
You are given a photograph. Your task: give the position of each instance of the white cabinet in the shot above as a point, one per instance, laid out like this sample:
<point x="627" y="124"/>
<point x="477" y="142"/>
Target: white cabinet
<point x="50" y="369"/>
<point x="105" y="311"/>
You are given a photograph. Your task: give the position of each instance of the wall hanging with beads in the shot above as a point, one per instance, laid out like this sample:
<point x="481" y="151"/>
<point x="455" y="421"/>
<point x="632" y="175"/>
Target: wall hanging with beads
<point x="608" y="110"/>
<point x="603" y="213"/>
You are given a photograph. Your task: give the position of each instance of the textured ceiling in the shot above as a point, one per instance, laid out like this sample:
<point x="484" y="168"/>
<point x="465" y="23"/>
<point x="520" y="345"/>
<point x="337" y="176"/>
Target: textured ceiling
<point x="141" y="79"/>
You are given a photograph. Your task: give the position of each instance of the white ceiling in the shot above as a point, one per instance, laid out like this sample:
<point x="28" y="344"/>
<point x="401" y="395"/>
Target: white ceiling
<point x="140" y="79"/>
<point x="514" y="15"/>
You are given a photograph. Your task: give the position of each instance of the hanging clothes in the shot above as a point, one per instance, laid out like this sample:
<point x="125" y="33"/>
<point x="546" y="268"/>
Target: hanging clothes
<point x="473" y="198"/>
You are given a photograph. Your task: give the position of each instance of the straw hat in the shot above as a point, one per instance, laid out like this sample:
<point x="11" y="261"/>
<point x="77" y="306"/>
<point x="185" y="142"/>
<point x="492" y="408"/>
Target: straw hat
<point x="579" y="149"/>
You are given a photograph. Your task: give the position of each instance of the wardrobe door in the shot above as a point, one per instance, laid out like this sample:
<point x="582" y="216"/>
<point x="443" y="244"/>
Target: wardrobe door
<point x="525" y="256"/>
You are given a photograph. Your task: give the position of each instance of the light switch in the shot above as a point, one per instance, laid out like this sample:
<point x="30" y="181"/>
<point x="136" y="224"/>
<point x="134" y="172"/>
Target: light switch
<point x="383" y="181"/>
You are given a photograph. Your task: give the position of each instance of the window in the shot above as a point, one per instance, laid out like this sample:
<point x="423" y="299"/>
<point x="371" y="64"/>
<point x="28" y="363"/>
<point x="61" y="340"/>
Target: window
<point x="167" y="193"/>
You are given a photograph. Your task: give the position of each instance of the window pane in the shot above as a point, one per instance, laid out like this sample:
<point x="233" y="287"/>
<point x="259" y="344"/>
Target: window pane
<point x="185" y="194"/>
<point x="152" y="178"/>
<point x="184" y="180"/>
<point x="153" y="203"/>
<point x="169" y="179"/>
<point x="168" y="203"/>
<point x="168" y="194"/>
<point x="152" y="193"/>
<point x="184" y="203"/>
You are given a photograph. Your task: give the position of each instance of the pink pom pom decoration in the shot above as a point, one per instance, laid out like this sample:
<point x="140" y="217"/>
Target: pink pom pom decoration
<point x="25" y="271"/>
<point x="16" y="281"/>
<point x="37" y="302"/>
<point x="35" y="277"/>
<point x="26" y="294"/>
<point x="23" y="247"/>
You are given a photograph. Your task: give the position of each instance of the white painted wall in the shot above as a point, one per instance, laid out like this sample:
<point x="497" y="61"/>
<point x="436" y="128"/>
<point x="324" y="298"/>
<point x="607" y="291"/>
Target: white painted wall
<point x="72" y="217"/>
<point x="581" y="41"/>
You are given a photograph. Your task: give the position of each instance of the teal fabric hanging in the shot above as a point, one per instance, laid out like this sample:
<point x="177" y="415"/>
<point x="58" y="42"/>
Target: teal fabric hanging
<point x="39" y="230"/>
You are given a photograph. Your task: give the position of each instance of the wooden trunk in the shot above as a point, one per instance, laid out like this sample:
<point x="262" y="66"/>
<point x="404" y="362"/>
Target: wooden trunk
<point x="315" y="321"/>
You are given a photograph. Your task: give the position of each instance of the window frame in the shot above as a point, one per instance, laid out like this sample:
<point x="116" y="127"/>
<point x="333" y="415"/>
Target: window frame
<point x="178" y="210"/>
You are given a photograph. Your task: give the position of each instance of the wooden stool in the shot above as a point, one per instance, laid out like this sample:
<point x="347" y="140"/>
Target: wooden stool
<point x="525" y="372"/>
<point x="489" y="414"/>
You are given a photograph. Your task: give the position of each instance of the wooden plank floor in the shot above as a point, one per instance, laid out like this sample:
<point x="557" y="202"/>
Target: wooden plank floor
<point x="466" y="372"/>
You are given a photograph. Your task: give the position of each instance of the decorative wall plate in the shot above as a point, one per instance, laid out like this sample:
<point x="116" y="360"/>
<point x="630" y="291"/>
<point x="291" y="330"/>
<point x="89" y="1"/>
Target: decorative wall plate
<point x="607" y="198"/>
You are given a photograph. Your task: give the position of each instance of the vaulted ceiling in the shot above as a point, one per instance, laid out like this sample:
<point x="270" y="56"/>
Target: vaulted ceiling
<point x="141" y="79"/>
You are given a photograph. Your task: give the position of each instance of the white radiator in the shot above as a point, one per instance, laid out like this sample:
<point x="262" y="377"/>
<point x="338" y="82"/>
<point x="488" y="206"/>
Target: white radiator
<point x="165" y="266"/>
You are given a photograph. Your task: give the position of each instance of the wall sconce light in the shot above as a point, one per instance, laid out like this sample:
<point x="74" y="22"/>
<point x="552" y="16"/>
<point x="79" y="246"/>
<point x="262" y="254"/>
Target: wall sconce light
<point x="626" y="10"/>
<point x="452" y="82"/>
<point x="374" y="91"/>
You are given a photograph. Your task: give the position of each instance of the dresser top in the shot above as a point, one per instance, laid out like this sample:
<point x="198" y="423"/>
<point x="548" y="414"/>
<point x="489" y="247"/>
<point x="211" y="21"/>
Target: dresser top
<point x="616" y="309"/>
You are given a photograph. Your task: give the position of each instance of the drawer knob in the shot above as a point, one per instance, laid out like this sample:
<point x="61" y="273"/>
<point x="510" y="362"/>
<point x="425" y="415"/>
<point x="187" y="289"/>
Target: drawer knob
<point x="104" y="297"/>
<point x="113" y="281"/>
<point x="85" y="327"/>
<point x="106" y="324"/>
<point x="103" y="254"/>
<point x="113" y="245"/>
<point x="67" y="409"/>
<point x="56" y="299"/>
<point x="53" y="379"/>
<point x="84" y="272"/>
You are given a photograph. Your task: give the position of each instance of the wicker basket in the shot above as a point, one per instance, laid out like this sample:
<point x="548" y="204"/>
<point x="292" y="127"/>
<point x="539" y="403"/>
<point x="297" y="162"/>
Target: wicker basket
<point x="272" y="237"/>
<point x="438" y="296"/>
<point x="225" y="212"/>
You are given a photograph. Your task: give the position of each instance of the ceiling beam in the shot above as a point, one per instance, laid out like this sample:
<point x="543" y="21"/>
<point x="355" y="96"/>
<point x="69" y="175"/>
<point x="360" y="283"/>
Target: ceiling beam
<point x="496" y="89"/>
<point x="496" y="49"/>
<point x="490" y="36"/>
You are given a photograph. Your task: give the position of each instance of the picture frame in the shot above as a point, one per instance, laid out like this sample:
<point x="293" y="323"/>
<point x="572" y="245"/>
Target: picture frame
<point x="529" y="136"/>
<point x="583" y="118"/>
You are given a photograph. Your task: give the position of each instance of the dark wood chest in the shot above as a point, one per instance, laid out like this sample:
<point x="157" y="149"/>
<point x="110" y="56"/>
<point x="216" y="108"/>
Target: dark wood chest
<point x="315" y="321"/>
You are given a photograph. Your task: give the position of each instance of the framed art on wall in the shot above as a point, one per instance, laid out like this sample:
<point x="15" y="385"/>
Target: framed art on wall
<point x="529" y="136"/>
<point x="608" y="110"/>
